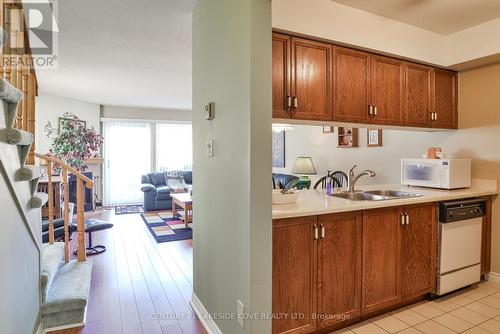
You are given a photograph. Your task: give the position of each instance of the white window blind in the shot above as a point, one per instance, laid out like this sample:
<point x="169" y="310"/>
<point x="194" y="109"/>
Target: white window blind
<point x="174" y="146"/>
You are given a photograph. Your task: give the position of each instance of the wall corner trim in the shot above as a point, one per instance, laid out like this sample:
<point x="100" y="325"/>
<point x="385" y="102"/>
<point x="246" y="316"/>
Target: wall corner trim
<point x="493" y="277"/>
<point x="205" y="318"/>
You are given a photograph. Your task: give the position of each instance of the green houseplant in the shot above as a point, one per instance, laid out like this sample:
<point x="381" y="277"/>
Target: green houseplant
<point x="75" y="143"/>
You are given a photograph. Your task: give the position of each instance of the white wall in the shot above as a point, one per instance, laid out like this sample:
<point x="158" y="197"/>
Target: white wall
<point x="385" y="161"/>
<point x="146" y="113"/>
<point x="232" y="202"/>
<point x="51" y="107"/>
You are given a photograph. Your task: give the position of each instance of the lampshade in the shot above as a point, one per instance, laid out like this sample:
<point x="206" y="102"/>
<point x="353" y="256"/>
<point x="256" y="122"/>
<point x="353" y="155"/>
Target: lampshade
<point x="304" y="166"/>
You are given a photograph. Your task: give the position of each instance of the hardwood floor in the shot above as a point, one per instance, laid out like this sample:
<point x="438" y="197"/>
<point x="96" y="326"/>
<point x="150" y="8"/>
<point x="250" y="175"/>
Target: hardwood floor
<point x="139" y="286"/>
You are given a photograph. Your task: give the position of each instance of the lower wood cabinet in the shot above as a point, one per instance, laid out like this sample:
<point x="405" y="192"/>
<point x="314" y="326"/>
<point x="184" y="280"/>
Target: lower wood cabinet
<point x="381" y="258"/>
<point x="339" y="268"/>
<point x="330" y="270"/>
<point x="419" y="250"/>
<point x="294" y="275"/>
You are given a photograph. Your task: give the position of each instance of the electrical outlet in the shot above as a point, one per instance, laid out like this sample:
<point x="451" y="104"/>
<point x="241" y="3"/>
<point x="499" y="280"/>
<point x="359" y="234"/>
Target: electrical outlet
<point x="240" y="311"/>
<point x="210" y="148"/>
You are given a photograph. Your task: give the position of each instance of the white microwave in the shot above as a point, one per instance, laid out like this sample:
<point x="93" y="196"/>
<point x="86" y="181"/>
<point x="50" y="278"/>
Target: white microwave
<point x="436" y="173"/>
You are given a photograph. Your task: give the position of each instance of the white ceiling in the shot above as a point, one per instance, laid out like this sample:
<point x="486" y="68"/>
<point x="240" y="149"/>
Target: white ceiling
<point x="123" y="52"/>
<point x="441" y="16"/>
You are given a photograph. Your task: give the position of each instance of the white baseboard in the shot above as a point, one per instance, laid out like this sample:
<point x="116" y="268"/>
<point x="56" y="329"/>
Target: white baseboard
<point x="205" y="318"/>
<point x="493" y="277"/>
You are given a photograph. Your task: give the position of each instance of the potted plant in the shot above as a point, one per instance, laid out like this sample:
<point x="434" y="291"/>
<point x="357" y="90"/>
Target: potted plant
<point x="75" y="143"/>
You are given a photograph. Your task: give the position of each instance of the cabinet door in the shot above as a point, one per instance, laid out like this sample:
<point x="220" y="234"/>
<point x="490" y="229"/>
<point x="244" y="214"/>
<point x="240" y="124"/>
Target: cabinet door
<point x="381" y="259"/>
<point x="294" y="275"/>
<point x="339" y="269"/>
<point x="352" y="82"/>
<point x="311" y="80"/>
<point x="445" y="99"/>
<point x="418" y="95"/>
<point x="419" y="250"/>
<point x="387" y="90"/>
<point x="281" y="76"/>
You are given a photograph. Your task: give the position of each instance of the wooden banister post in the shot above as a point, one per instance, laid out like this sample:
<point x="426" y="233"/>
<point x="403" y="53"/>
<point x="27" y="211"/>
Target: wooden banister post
<point x="50" y="202"/>
<point x="81" y="255"/>
<point x="66" y="215"/>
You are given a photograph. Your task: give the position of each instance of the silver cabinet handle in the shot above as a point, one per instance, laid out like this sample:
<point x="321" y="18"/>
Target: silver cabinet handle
<point x="370" y="110"/>
<point x="375" y="110"/>
<point x="316" y="233"/>
<point x="403" y="219"/>
<point x="435" y="116"/>
<point x="407" y="219"/>
<point x="432" y="116"/>
<point x="295" y="102"/>
<point x="322" y="231"/>
<point x="288" y="101"/>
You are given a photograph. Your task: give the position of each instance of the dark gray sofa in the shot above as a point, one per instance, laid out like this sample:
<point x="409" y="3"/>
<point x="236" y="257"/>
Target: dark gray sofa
<point x="157" y="193"/>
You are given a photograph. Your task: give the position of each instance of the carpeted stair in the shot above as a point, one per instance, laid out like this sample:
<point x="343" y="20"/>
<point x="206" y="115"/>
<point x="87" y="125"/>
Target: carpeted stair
<point x="65" y="288"/>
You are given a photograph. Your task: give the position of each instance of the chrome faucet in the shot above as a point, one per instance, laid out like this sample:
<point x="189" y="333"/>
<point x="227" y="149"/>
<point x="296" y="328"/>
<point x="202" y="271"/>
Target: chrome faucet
<point x="351" y="179"/>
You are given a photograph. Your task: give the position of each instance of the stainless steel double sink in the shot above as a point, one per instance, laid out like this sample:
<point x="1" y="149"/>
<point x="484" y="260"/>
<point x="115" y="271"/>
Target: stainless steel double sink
<point x="375" y="195"/>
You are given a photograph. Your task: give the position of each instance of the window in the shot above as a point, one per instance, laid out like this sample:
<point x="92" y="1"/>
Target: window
<point x="132" y="149"/>
<point x="127" y="154"/>
<point x="174" y="146"/>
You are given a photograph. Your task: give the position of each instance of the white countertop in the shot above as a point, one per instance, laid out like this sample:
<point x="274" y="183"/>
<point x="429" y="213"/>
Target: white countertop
<point x="316" y="202"/>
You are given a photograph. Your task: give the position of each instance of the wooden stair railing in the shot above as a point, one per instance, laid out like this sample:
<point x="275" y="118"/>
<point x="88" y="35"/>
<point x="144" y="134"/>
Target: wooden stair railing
<point x="80" y="229"/>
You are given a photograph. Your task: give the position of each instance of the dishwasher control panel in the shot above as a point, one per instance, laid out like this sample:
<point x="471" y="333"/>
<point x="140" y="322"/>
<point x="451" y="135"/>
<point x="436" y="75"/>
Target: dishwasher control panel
<point x="461" y="210"/>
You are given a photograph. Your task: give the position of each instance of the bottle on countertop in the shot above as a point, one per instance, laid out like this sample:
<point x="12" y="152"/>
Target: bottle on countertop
<point x="329" y="183"/>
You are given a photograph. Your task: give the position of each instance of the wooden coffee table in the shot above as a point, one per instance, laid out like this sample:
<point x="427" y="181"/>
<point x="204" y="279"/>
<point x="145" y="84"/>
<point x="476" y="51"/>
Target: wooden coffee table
<point x="185" y="202"/>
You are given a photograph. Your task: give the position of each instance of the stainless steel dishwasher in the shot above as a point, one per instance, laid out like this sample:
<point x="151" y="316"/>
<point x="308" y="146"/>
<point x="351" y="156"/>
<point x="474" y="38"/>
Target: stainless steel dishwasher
<point x="459" y="248"/>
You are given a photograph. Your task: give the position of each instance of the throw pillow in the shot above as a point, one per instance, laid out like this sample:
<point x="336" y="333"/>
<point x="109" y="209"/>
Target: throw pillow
<point x="175" y="181"/>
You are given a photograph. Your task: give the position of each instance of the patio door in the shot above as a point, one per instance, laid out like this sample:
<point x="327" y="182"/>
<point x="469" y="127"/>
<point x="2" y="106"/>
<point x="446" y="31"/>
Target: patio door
<point x="127" y="155"/>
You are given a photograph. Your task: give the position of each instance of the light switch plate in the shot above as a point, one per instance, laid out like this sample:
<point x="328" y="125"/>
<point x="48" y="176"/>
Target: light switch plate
<point x="210" y="111"/>
<point x="240" y="310"/>
<point x="210" y="148"/>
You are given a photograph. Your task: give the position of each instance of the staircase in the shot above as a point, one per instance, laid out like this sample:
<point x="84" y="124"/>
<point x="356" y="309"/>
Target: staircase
<point x="63" y="285"/>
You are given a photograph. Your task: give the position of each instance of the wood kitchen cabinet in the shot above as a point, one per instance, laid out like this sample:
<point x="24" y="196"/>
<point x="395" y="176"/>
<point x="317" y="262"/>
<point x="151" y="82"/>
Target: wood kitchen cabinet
<point x="294" y="275"/>
<point x="418" y="95"/>
<point x="382" y="260"/>
<point x="312" y="76"/>
<point x="317" y="81"/>
<point x="387" y="91"/>
<point x="302" y="79"/>
<point x="419" y="250"/>
<point x="282" y="99"/>
<point x="339" y="268"/>
<point x="445" y="99"/>
<point x="352" y="86"/>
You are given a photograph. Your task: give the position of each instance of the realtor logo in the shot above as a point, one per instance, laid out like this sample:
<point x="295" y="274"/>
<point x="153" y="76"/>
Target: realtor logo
<point x="30" y="34"/>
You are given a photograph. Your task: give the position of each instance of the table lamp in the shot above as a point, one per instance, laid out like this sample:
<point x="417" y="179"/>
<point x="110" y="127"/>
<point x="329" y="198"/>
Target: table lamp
<point x="304" y="166"/>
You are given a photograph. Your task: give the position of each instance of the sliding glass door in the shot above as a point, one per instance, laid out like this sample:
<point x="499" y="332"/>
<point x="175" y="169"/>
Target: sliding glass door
<point x="127" y="155"/>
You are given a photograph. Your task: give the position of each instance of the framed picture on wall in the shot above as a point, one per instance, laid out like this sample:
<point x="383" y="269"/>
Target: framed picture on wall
<point x="279" y="149"/>
<point x="374" y="137"/>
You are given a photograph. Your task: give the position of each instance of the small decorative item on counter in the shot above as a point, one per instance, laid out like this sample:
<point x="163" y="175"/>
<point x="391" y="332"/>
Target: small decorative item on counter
<point x="434" y="153"/>
<point x="285" y="196"/>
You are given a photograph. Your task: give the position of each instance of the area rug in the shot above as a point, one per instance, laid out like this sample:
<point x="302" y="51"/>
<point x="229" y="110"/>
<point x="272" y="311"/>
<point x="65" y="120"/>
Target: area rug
<point x="165" y="227"/>
<point x="128" y="209"/>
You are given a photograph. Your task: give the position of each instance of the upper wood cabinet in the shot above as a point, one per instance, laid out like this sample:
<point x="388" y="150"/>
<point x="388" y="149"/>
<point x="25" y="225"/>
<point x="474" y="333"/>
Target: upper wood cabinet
<point x="339" y="268"/>
<point x="294" y="275"/>
<point x="311" y="80"/>
<point x="419" y="250"/>
<point x="381" y="259"/>
<point x="387" y="90"/>
<point x="352" y="86"/>
<point x="418" y="95"/>
<point x="317" y="81"/>
<point x="445" y="99"/>
<point x="282" y="99"/>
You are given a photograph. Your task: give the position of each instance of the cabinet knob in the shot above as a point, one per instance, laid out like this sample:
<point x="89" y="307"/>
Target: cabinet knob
<point x="375" y="111"/>
<point x="316" y="232"/>
<point x="322" y="231"/>
<point x="288" y="101"/>
<point x="403" y="219"/>
<point x="370" y="110"/>
<point x="295" y="102"/>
